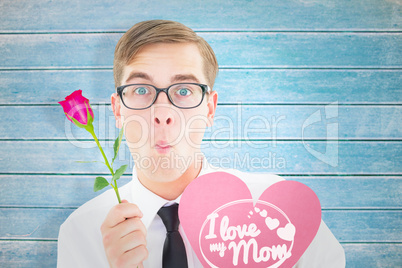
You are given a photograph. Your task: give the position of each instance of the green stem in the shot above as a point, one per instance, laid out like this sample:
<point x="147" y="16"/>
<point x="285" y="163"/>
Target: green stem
<point x="117" y="191"/>
<point x="91" y="130"/>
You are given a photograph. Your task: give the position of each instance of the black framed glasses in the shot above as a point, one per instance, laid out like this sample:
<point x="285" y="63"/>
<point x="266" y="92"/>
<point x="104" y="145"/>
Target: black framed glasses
<point x="181" y="95"/>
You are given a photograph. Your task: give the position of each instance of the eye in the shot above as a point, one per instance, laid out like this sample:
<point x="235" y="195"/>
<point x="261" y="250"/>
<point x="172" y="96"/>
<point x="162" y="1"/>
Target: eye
<point x="141" y="90"/>
<point x="183" y="92"/>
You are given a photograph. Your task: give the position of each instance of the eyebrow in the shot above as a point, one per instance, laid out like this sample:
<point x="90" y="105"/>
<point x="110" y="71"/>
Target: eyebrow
<point x="142" y="75"/>
<point x="175" y="79"/>
<point x="184" y="78"/>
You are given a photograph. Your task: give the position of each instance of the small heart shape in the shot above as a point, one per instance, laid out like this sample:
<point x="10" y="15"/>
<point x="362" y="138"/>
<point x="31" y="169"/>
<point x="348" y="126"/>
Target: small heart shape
<point x="287" y="233"/>
<point x="263" y="213"/>
<point x="271" y="223"/>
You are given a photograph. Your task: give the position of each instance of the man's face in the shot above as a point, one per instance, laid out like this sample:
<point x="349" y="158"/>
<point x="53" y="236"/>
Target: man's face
<point x="165" y="140"/>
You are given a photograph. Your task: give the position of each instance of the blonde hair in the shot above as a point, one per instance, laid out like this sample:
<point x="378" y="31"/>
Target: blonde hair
<point x="160" y="31"/>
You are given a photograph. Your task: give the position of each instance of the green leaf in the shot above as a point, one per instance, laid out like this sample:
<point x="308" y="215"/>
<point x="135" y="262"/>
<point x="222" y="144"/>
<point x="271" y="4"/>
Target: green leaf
<point x="117" y="143"/>
<point x="119" y="172"/>
<point x="100" y="183"/>
<point x="75" y="121"/>
<point x="89" y="116"/>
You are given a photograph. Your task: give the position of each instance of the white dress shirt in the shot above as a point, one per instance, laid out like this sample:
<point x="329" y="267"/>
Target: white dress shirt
<point x="80" y="240"/>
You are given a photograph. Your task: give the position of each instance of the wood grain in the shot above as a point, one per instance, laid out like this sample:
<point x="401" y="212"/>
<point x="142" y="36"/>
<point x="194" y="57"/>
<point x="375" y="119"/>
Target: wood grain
<point x="43" y="254"/>
<point x="334" y="192"/>
<point x="247" y="50"/>
<point x="233" y="86"/>
<point x="282" y="157"/>
<point x="287" y="15"/>
<point x="347" y="226"/>
<point x="283" y="60"/>
<point x="246" y="122"/>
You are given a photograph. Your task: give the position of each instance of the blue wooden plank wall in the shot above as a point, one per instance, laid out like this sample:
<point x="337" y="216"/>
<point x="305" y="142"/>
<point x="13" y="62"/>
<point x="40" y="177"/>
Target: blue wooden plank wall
<point x="307" y="89"/>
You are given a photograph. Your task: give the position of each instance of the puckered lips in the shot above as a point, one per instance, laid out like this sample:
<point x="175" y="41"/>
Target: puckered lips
<point x="162" y="147"/>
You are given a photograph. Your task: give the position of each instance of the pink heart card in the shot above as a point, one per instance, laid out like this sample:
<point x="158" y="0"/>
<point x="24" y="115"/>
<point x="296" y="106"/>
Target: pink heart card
<point x="226" y="228"/>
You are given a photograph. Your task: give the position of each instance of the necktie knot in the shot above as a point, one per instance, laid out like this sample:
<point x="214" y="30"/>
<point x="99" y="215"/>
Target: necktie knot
<point x="170" y="217"/>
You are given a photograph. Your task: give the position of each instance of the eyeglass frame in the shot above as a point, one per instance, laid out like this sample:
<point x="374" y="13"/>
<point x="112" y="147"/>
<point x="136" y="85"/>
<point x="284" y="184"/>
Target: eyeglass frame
<point x="205" y="89"/>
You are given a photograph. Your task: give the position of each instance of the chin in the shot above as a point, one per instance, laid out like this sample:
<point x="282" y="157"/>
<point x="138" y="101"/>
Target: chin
<point x="160" y="174"/>
<point x="163" y="167"/>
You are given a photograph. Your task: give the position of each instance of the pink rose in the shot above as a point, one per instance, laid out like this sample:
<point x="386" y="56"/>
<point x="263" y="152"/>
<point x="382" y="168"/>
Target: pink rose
<point x="77" y="109"/>
<point x="75" y="106"/>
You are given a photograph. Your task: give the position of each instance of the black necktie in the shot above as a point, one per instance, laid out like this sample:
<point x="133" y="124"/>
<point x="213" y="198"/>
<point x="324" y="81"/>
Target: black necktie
<point x="174" y="252"/>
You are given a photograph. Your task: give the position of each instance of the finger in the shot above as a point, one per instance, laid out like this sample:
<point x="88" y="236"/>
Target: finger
<point x="121" y="230"/>
<point x="120" y="213"/>
<point x="133" y="258"/>
<point x="132" y="241"/>
<point x="130" y="225"/>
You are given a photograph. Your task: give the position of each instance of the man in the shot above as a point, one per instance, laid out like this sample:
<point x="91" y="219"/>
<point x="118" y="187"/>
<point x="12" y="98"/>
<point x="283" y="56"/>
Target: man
<point x="164" y="75"/>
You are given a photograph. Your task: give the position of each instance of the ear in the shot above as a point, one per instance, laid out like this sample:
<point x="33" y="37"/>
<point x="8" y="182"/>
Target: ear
<point x="116" y="106"/>
<point x="212" y="102"/>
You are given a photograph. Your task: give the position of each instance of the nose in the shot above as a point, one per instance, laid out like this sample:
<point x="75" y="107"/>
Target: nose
<point x="163" y="120"/>
<point x="163" y="111"/>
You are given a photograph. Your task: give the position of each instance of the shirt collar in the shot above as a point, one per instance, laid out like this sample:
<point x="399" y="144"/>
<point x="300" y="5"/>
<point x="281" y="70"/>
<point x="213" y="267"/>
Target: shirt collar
<point x="150" y="203"/>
